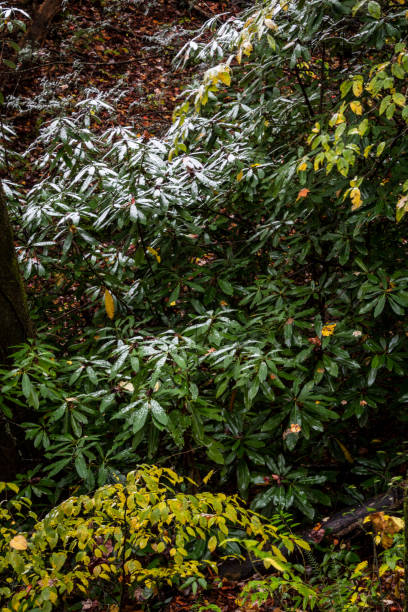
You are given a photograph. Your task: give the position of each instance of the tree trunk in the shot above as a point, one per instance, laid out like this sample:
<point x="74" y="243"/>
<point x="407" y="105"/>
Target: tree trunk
<point x="41" y="19"/>
<point x="15" y="327"/>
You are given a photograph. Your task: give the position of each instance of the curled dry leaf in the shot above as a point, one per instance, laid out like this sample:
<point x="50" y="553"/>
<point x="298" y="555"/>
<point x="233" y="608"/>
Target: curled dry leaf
<point x="19" y="543"/>
<point x="386" y="526"/>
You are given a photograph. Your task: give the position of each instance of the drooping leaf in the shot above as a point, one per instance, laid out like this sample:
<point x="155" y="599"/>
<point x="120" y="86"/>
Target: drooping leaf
<point x="109" y="304"/>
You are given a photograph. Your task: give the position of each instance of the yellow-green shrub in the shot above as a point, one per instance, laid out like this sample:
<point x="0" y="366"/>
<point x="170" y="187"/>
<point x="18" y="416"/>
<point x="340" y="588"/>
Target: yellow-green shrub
<point x="127" y="535"/>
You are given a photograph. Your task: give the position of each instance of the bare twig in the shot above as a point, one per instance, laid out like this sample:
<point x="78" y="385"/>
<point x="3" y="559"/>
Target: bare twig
<point x="304" y="92"/>
<point x="322" y="79"/>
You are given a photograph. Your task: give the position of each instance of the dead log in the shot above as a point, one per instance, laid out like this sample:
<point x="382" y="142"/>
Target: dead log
<point x="342" y="523"/>
<point x="338" y="525"/>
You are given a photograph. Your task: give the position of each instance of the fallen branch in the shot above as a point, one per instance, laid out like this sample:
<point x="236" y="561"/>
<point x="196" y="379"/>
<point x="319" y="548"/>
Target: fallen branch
<point x="344" y="522"/>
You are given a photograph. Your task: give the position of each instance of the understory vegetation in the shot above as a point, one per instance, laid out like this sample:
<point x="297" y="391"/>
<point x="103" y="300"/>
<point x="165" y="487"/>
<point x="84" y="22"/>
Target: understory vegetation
<point x="221" y="304"/>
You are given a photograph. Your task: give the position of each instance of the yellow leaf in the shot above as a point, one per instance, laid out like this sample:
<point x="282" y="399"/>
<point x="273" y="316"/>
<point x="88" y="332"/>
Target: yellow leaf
<point x="318" y="160"/>
<point x="246" y="47"/>
<point x="271" y="561"/>
<point x="212" y="544"/>
<point x="240" y="175"/>
<point x="328" y="329"/>
<point x="19" y="543"/>
<point x="346" y="452"/>
<point x="337" y="119"/>
<point x="357" y="88"/>
<point x="161" y="547"/>
<point x="302" y="544"/>
<point x="380" y="149"/>
<point x="109" y="304"/>
<point x="395" y="524"/>
<point x="355" y="197"/>
<point x="356" y="107"/>
<point x="383" y="568"/>
<point x="385" y="527"/>
<point x="302" y="167"/>
<point x="360" y="567"/>
<point x="225" y="76"/>
<point x="153" y="251"/>
<point x="209" y="475"/>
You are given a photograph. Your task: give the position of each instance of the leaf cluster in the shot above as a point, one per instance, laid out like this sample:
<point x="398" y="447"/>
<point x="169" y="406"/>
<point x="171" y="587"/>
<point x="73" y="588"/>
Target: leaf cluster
<point x="142" y="533"/>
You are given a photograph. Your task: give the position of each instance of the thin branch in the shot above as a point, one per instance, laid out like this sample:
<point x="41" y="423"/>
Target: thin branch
<point x="302" y="87"/>
<point x="81" y="63"/>
<point x="322" y="80"/>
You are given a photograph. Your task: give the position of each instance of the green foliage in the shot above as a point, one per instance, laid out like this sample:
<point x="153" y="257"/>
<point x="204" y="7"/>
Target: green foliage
<point x="140" y="533"/>
<point x="11" y="21"/>
<point x="338" y="582"/>
<point x="257" y="273"/>
<point x="291" y="592"/>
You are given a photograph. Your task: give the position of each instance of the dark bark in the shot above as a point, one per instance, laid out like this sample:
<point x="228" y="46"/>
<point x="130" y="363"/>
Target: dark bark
<point x="40" y="21"/>
<point x="15" y="327"/>
<point x="15" y="324"/>
<point x="344" y="522"/>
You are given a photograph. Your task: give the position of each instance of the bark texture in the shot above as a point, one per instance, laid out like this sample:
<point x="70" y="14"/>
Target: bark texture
<point x="15" y="324"/>
<point x="15" y="327"/>
<point x="41" y="19"/>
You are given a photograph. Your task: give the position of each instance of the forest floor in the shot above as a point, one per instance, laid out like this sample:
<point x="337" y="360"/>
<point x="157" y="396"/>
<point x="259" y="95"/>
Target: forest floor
<point x="125" y="51"/>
